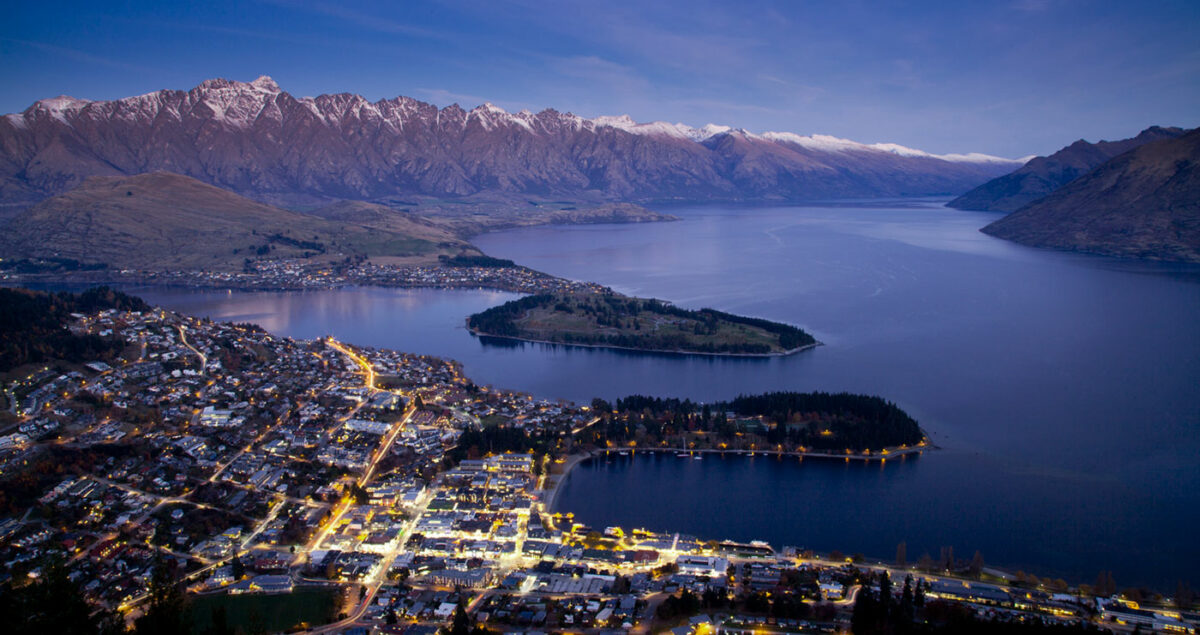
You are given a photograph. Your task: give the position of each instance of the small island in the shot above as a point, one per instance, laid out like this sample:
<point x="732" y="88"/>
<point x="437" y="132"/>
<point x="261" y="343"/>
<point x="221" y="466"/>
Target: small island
<point x="610" y="320"/>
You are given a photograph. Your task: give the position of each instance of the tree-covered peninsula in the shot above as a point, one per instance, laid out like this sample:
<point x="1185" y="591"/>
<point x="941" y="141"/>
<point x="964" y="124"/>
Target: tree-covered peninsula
<point x="616" y="321"/>
<point x="839" y="423"/>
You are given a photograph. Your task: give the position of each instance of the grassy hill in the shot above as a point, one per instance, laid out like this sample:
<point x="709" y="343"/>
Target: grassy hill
<point x="635" y="323"/>
<point x="164" y="221"/>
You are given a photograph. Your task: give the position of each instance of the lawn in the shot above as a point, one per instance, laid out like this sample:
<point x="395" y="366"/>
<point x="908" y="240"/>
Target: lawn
<point x="269" y="613"/>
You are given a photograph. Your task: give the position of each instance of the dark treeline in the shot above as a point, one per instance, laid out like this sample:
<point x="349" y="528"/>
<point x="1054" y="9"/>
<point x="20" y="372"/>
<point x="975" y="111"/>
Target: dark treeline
<point x="877" y="611"/>
<point x="314" y="245"/>
<point x="477" y="443"/>
<point x="53" y="604"/>
<point x="865" y="420"/>
<point x="49" y="265"/>
<point x="33" y="325"/>
<point x="463" y="260"/>
<point x="501" y="320"/>
<point x="817" y="420"/>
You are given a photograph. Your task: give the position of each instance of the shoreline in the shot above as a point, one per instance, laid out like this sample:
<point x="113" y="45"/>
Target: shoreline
<point x="656" y="351"/>
<point x="888" y="453"/>
<point x="550" y="492"/>
<point x="24" y="279"/>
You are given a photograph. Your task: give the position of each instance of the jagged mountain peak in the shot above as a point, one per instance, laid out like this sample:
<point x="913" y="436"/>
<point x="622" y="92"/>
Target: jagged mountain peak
<point x="265" y="83"/>
<point x="258" y="140"/>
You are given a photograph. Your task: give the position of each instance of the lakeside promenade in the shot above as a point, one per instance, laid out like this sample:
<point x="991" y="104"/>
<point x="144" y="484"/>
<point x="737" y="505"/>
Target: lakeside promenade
<point x="554" y="482"/>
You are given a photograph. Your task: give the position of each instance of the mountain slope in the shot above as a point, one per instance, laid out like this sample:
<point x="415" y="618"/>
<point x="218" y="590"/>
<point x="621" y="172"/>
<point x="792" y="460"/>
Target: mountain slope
<point x="259" y="141"/>
<point x="1043" y="175"/>
<point x="165" y="221"/>
<point x="1144" y="204"/>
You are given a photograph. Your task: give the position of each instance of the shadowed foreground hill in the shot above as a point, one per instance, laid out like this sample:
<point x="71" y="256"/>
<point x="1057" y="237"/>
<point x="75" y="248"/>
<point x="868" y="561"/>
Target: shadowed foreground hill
<point x="1143" y="204"/>
<point x="1043" y="175"/>
<point x="33" y="325"/>
<point x="164" y="221"/>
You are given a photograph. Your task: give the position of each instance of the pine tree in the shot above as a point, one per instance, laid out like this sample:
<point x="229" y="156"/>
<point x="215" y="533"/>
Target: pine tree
<point x="165" y="612"/>
<point x="885" y="593"/>
<point x="977" y="564"/>
<point x="219" y="622"/>
<point x="905" y="611"/>
<point x="52" y="604"/>
<point x="461" y="624"/>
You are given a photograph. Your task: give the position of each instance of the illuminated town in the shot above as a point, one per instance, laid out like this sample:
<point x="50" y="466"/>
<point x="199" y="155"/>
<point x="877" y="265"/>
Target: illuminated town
<point x="259" y="465"/>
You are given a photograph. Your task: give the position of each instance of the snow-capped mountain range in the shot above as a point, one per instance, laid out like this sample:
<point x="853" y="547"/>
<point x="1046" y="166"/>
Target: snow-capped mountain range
<point x="258" y="140"/>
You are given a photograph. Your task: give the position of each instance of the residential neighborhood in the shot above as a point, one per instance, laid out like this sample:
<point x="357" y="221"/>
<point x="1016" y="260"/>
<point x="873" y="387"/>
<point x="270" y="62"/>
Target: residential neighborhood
<point x="263" y="466"/>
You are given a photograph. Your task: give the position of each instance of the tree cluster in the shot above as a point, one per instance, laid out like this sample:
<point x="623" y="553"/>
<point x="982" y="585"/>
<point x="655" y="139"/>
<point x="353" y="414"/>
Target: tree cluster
<point x="465" y="260"/>
<point x="33" y="325"/>
<point x="818" y="421"/>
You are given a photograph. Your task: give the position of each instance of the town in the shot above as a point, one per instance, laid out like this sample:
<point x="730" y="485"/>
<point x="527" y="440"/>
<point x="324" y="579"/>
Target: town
<point x="297" y="274"/>
<point x="390" y="493"/>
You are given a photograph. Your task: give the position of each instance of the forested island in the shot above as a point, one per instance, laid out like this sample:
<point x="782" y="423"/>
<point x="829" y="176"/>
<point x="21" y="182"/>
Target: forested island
<point x="616" y="321"/>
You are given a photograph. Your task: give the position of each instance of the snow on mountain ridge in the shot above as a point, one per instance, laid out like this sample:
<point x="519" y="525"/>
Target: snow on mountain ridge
<point x="829" y="143"/>
<point x="241" y="104"/>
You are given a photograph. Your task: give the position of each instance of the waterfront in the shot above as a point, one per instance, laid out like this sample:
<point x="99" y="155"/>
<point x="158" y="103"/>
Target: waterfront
<point x="1062" y="388"/>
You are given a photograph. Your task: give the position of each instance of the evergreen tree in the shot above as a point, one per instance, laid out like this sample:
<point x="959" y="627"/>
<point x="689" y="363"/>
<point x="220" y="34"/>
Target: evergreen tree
<point x="977" y="564"/>
<point x="885" y="592"/>
<point x="52" y="604"/>
<point x="461" y="624"/>
<point x="865" y="618"/>
<point x="165" y="613"/>
<point x="219" y="622"/>
<point x="905" y="611"/>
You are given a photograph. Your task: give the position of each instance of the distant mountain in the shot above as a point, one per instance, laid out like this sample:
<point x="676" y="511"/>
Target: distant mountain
<point x="165" y="221"/>
<point x="261" y="142"/>
<point x="1143" y="204"/>
<point x="1043" y="175"/>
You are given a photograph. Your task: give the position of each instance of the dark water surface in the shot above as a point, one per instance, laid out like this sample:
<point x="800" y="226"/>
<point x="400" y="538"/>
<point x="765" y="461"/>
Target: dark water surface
<point x="1063" y="389"/>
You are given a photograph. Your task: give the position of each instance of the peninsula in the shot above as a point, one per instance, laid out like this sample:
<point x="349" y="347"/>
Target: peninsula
<point x="611" y="320"/>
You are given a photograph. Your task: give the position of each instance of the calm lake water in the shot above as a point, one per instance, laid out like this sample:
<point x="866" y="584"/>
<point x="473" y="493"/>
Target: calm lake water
<point x="1063" y="389"/>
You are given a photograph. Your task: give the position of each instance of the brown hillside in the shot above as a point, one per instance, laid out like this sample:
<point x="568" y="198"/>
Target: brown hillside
<point x="165" y="221"/>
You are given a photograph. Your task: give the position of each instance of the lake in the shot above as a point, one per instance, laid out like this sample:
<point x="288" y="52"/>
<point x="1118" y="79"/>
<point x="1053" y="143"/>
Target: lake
<point x="1063" y="389"/>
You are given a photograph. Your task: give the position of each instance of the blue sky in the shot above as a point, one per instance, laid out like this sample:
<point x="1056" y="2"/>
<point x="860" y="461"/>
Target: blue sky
<point x="1003" y="77"/>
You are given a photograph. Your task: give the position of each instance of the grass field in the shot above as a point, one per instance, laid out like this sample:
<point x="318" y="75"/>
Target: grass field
<point x="267" y="613"/>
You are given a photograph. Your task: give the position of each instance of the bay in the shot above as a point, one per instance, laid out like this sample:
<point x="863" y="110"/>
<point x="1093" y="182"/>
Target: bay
<point x="1063" y="389"/>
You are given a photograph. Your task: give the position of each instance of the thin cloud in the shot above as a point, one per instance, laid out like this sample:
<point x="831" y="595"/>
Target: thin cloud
<point x="601" y="71"/>
<point x="441" y="96"/>
<point x="370" y="21"/>
<point x="79" y="56"/>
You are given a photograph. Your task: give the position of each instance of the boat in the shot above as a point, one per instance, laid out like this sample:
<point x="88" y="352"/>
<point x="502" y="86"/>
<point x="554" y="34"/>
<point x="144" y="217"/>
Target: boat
<point x="697" y="457"/>
<point x="682" y="455"/>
